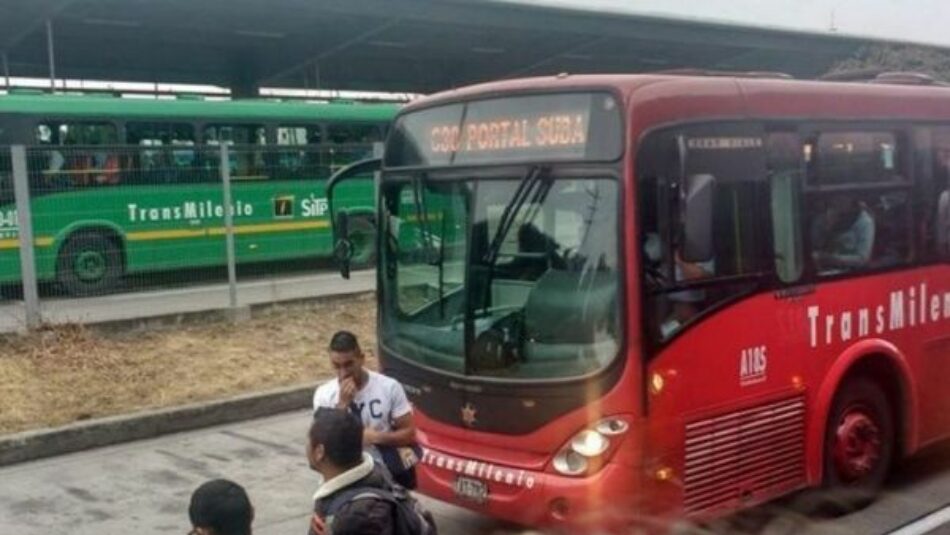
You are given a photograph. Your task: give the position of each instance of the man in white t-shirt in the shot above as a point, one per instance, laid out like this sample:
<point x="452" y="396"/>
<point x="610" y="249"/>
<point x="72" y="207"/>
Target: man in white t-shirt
<point x="379" y="401"/>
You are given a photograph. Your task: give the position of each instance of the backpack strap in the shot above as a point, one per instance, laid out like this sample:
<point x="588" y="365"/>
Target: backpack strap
<point x="356" y="493"/>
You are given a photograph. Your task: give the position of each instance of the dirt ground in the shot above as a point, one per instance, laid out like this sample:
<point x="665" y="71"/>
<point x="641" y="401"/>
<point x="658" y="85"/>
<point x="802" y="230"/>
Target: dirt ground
<point x="63" y="374"/>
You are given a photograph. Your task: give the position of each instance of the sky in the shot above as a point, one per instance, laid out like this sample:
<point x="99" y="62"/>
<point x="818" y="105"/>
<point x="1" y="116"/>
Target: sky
<point x="916" y="21"/>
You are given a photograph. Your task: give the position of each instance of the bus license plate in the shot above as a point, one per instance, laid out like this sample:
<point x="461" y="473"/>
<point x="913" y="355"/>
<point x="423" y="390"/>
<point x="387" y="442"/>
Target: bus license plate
<point x="471" y="489"/>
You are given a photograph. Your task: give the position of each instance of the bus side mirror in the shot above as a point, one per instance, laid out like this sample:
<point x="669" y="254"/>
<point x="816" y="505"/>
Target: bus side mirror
<point x="343" y="248"/>
<point x="698" y="220"/>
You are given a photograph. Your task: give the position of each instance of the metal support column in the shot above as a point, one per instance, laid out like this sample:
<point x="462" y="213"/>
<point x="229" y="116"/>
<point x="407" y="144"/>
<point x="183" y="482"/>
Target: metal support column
<point x="51" y="55"/>
<point x="229" y="226"/>
<point x="21" y="192"/>
<point x="6" y="69"/>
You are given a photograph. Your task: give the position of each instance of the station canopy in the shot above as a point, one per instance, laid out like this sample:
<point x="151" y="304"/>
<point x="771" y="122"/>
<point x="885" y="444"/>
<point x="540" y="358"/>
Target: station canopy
<point x="416" y="46"/>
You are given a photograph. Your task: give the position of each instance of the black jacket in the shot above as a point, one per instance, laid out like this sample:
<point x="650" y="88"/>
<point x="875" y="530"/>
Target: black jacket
<point x="360" y="516"/>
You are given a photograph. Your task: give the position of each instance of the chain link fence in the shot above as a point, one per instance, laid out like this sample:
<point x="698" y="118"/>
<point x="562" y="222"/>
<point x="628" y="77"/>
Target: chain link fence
<point x="80" y="221"/>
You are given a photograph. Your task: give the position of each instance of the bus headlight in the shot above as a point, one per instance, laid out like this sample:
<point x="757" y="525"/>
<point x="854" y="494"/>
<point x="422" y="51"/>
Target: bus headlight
<point x="590" y="443"/>
<point x="588" y="450"/>
<point x="612" y="427"/>
<point x="570" y="463"/>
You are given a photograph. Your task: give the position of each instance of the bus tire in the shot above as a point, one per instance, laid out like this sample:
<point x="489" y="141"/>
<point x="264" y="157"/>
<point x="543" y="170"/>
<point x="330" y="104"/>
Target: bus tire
<point x="859" y="445"/>
<point x="89" y="263"/>
<point x="362" y="233"/>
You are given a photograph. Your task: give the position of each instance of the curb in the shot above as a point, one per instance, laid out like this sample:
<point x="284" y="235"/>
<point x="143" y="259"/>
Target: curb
<point x="33" y="445"/>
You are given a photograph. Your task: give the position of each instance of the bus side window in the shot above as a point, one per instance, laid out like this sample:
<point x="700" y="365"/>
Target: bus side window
<point x="731" y="159"/>
<point x="784" y="171"/>
<point x="246" y="143"/>
<point x="91" y="158"/>
<point x="166" y="152"/>
<point x="867" y="225"/>
<point x="358" y="138"/>
<point x="941" y="177"/>
<point x="299" y="154"/>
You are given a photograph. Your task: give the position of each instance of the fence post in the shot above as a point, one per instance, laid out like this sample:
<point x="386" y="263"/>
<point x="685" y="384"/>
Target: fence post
<point x="21" y="192"/>
<point x="229" y="226"/>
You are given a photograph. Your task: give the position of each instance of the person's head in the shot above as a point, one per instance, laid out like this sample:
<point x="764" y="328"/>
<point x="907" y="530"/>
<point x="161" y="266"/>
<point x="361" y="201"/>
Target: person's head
<point x="220" y="507"/>
<point x="346" y="356"/>
<point x="335" y="442"/>
<point x="841" y="210"/>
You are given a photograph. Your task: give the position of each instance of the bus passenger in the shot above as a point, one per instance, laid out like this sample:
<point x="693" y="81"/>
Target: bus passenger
<point x="842" y="237"/>
<point x="686" y="303"/>
<point x="380" y="402"/>
<point x="942" y="178"/>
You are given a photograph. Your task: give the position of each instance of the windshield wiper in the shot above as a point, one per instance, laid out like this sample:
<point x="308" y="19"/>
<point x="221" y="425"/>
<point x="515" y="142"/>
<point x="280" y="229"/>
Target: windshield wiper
<point x="422" y="216"/>
<point x="433" y="257"/>
<point x="534" y="176"/>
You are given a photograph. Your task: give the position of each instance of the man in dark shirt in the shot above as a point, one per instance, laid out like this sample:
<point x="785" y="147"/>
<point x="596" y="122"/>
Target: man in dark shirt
<point x="335" y="451"/>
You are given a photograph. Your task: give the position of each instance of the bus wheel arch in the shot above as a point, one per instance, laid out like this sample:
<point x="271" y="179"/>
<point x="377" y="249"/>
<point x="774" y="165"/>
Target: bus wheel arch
<point x="90" y="260"/>
<point x="864" y="372"/>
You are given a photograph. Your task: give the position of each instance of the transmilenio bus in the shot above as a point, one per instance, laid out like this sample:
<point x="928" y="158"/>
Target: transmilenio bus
<point x="122" y="185"/>
<point x="619" y="299"/>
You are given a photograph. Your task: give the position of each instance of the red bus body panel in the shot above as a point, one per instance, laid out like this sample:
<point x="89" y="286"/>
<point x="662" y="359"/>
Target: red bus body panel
<point x="681" y="455"/>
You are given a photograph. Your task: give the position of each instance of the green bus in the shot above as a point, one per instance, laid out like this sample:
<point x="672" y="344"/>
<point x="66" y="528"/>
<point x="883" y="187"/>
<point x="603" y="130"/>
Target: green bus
<point x="120" y="186"/>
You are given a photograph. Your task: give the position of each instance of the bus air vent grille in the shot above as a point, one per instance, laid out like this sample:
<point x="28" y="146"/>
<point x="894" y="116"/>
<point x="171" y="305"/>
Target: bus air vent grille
<point x="744" y="456"/>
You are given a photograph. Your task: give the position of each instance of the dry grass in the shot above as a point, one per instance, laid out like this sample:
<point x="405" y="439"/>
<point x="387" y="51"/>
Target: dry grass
<point x="63" y="374"/>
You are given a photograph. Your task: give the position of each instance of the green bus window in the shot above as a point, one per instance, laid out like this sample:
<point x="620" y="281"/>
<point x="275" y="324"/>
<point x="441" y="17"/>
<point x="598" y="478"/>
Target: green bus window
<point x="84" y="163"/>
<point x="246" y="160"/>
<point x="160" y="160"/>
<point x="299" y="135"/>
<point x="354" y="133"/>
<point x="298" y="155"/>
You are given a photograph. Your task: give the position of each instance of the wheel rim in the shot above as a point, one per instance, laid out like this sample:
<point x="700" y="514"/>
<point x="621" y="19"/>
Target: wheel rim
<point x="858" y="444"/>
<point x="90" y="266"/>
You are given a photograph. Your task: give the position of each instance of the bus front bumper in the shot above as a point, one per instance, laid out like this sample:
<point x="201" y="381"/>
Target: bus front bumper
<point x="605" y="500"/>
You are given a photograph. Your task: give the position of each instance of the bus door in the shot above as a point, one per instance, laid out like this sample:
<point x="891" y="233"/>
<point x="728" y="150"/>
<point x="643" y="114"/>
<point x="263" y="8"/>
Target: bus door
<point x="714" y="325"/>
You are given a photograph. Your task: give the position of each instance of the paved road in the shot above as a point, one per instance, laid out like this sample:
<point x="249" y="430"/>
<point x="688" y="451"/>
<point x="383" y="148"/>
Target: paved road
<point x="192" y="299"/>
<point x="143" y="487"/>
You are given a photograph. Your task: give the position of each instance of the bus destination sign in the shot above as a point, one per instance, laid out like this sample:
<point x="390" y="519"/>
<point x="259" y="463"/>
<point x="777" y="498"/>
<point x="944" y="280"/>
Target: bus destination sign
<point x="564" y="130"/>
<point x="571" y="126"/>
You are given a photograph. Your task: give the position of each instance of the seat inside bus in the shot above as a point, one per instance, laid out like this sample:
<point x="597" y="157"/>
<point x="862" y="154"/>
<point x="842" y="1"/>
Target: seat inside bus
<point x="570" y="317"/>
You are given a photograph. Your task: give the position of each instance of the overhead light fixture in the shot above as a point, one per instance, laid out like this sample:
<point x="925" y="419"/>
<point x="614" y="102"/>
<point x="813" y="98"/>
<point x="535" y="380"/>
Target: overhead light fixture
<point x="113" y="22"/>
<point x="387" y="44"/>
<point x="261" y="34"/>
<point x="571" y="55"/>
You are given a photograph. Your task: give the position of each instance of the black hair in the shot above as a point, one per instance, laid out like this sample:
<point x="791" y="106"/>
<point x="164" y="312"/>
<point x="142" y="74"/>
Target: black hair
<point x="341" y="434"/>
<point x="223" y="506"/>
<point x="344" y="342"/>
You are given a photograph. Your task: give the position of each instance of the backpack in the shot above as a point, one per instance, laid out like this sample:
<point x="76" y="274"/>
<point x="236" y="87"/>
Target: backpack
<point x="409" y="516"/>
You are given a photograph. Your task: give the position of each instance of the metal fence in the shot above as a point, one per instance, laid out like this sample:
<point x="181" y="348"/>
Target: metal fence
<point x="79" y="221"/>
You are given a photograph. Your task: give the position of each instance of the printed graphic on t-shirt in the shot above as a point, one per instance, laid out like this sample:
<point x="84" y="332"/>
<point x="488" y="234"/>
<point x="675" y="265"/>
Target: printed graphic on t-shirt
<point x="380" y="401"/>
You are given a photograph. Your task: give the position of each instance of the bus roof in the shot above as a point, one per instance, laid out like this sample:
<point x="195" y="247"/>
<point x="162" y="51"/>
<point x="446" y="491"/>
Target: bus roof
<point x="683" y="97"/>
<point x="106" y="106"/>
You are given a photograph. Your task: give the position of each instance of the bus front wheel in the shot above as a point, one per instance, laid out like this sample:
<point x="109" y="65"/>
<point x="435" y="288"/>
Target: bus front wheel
<point x="88" y="264"/>
<point x="859" y="445"/>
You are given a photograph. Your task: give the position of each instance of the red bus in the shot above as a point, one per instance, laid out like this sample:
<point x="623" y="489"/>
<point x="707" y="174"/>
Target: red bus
<point x="627" y="299"/>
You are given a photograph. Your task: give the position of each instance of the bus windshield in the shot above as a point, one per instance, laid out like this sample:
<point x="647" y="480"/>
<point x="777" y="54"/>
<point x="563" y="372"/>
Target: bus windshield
<point x="513" y="276"/>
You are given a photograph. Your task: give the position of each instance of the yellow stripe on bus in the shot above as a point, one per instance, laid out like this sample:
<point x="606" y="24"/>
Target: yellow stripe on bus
<point x="177" y="234"/>
<point x="259" y="228"/>
<point x="14" y="243"/>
